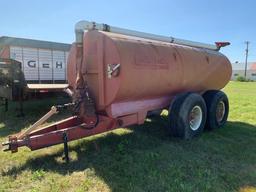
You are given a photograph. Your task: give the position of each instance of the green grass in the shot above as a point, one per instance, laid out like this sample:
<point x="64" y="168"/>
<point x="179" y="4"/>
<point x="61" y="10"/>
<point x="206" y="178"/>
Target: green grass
<point x="141" y="158"/>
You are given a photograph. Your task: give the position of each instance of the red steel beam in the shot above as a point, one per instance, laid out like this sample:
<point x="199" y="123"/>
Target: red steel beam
<point x="73" y="133"/>
<point x="74" y="127"/>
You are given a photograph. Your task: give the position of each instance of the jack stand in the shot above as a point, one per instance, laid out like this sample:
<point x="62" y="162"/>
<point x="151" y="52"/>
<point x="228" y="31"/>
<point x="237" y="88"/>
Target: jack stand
<point x="65" y="140"/>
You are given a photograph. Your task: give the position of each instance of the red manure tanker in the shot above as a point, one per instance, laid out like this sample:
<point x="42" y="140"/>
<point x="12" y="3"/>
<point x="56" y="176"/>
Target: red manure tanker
<point x="118" y="76"/>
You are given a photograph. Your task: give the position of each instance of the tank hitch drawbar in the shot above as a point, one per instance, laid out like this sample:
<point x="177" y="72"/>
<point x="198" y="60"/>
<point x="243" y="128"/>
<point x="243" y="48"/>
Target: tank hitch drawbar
<point x="11" y="145"/>
<point x="69" y="129"/>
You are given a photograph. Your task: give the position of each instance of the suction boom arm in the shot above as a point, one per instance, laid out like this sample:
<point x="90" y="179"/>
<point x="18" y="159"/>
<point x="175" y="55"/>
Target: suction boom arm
<point x="82" y="26"/>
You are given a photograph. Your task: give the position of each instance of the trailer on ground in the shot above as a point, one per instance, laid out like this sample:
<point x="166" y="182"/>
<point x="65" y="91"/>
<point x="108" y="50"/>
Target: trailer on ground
<point x="116" y="76"/>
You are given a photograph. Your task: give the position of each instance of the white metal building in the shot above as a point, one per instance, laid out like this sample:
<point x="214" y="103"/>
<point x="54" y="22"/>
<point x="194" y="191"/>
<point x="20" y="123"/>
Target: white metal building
<point x="239" y="70"/>
<point x="42" y="61"/>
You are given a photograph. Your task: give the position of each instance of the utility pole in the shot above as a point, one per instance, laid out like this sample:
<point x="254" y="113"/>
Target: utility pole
<point x="246" y="57"/>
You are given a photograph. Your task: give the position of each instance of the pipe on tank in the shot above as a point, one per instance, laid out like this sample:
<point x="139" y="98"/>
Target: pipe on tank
<point x="83" y="25"/>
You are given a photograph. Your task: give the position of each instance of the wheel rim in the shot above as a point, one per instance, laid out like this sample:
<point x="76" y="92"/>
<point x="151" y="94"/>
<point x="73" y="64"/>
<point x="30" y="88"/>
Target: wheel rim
<point x="195" y="117"/>
<point x="220" y="111"/>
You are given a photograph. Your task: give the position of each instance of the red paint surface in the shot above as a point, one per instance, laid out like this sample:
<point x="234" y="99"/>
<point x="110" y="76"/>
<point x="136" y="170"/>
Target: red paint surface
<point x="149" y="69"/>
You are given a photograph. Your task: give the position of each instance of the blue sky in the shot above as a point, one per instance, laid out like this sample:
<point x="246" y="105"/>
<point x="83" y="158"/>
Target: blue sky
<point x="198" y="20"/>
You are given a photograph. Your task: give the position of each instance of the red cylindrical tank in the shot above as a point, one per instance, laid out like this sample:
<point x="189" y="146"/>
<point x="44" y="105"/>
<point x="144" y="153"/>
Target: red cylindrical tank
<point x="126" y="77"/>
<point x="148" y="69"/>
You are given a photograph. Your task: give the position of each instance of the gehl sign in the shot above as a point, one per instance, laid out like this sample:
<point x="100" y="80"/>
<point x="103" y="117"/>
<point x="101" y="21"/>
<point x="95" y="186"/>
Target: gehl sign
<point x="41" y="64"/>
<point x="32" y="64"/>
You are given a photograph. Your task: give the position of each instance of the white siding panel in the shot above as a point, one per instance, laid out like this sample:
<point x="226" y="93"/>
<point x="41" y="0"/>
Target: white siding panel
<point x="41" y="64"/>
<point x="66" y="55"/>
<point x="59" y="65"/>
<point x="45" y="64"/>
<point x="30" y="57"/>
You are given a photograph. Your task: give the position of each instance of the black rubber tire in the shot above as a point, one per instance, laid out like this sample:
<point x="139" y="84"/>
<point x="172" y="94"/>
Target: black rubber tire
<point x="212" y="98"/>
<point x="179" y="112"/>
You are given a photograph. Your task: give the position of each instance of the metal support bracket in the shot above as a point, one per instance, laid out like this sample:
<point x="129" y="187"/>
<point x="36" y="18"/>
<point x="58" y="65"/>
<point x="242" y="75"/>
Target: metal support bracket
<point x="66" y="152"/>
